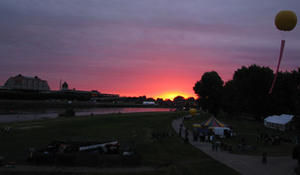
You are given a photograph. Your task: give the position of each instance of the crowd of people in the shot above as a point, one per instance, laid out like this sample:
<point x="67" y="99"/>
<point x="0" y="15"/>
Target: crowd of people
<point x="208" y="137"/>
<point x="220" y="145"/>
<point x="267" y="139"/>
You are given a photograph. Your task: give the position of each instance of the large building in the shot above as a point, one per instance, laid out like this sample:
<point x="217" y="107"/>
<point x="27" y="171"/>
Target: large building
<point x="21" y="82"/>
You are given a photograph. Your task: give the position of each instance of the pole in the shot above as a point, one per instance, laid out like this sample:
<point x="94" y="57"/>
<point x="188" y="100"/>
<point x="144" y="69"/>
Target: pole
<point x="278" y="65"/>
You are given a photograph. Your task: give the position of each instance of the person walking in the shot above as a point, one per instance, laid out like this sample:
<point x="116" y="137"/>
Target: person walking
<point x="211" y="138"/>
<point x="186" y="139"/>
<point x="206" y="138"/>
<point x="180" y="129"/>
<point x="216" y="146"/>
<point x="195" y="135"/>
<point x="200" y="137"/>
<point x="264" y="158"/>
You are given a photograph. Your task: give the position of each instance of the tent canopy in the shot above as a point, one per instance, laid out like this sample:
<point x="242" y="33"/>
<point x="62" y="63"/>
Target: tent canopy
<point x="279" y="119"/>
<point x="213" y="122"/>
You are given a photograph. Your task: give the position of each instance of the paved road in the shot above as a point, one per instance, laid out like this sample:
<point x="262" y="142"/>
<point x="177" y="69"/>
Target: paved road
<point x="246" y="165"/>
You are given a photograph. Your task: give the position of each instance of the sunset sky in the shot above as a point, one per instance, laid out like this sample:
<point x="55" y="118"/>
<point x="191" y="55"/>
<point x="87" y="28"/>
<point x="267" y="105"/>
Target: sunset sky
<point x="141" y="47"/>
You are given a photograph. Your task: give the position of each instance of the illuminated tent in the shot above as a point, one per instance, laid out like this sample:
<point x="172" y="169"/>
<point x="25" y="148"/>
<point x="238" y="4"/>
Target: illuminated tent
<point x="212" y="122"/>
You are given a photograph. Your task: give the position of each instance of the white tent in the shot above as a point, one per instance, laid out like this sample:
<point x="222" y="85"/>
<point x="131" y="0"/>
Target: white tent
<point x="280" y="122"/>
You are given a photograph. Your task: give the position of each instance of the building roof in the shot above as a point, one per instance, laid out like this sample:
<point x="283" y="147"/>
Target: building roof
<point x="20" y="75"/>
<point x="279" y="119"/>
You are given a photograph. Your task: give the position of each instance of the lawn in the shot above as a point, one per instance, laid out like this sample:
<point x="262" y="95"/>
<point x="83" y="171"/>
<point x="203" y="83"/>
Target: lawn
<point x="249" y="130"/>
<point x="169" y="153"/>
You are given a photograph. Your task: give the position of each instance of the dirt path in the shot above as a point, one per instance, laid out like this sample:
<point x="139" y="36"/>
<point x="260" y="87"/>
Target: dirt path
<point x="246" y="165"/>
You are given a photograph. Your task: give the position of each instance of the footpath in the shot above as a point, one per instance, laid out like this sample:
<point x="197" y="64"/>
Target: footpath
<point x="244" y="164"/>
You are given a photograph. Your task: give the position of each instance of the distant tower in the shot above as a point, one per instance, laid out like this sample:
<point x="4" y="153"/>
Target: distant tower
<point x="64" y="86"/>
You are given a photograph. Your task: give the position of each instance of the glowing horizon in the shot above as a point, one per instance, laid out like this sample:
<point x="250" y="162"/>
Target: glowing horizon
<point x="173" y="94"/>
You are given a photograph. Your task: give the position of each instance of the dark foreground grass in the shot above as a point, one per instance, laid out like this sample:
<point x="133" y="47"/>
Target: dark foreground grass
<point x="249" y="130"/>
<point x="169" y="153"/>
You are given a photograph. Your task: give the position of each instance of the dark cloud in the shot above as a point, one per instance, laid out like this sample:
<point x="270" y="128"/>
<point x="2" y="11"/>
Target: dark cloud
<point x="106" y="40"/>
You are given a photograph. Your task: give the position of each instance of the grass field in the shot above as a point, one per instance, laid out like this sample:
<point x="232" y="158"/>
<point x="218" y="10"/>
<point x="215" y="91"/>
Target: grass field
<point x="170" y="153"/>
<point x="250" y="130"/>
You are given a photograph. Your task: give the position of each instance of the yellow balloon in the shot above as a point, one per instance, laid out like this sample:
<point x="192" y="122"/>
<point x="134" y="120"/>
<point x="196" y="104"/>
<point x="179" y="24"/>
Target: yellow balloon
<point x="286" y="20"/>
<point x="193" y="111"/>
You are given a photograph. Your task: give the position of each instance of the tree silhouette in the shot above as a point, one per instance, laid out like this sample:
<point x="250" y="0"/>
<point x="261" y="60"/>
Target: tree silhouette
<point x="251" y="85"/>
<point x="209" y="90"/>
<point x="248" y="93"/>
<point x="179" y="102"/>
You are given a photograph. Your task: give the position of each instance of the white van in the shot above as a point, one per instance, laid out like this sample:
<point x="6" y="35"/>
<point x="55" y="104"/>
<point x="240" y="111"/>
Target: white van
<point x="219" y="131"/>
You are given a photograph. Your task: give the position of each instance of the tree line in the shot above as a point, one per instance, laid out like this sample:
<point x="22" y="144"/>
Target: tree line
<point x="247" y="92"/>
